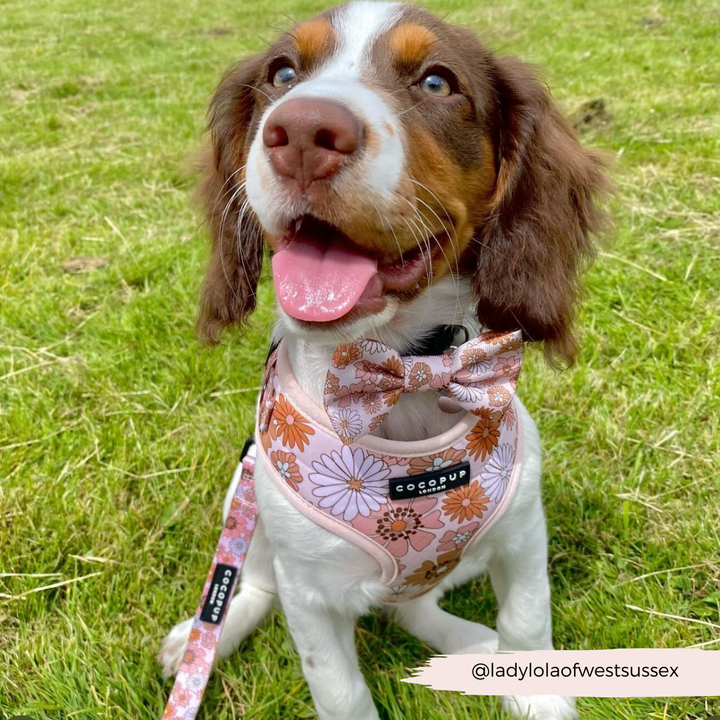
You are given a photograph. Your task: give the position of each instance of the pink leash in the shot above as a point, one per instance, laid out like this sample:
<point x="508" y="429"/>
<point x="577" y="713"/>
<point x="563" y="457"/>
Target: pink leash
<point x="197" y="663"/>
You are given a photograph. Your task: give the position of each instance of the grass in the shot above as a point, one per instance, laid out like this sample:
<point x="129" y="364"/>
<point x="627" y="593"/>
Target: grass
<point x="118" y="432"/>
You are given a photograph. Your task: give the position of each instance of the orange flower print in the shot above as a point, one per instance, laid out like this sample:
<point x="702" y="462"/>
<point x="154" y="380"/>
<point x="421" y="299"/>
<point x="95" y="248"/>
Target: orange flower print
<point x="498" y="396"/>
<point x="466" y="502"/>
<point x="438" y="461"/>
<point x="496" y="338"/>
<point x="345" y="354"/>
<point x="286" y="467"/>
<point x="484" y="436"/>
<point x="376" y="421"/>
<point x="371" y="404"/>
<point x="420" y="375"/>
<point x="289" y="425"/>
<point x="394" y="368"/>
<point x="390" y="397"/>
<point x="332" y="384"/>
<point x="431" y="573"/>
<point x="512" y="343"/>
<point x="475" y="360"/>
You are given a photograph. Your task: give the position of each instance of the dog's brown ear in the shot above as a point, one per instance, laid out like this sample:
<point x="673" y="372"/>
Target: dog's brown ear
<point x="538" y="234"/>
<point x="228" y="294"/>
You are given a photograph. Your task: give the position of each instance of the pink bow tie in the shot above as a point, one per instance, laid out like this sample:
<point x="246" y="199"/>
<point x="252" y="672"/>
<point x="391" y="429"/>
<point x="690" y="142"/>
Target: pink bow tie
<point x="367" y="378"/>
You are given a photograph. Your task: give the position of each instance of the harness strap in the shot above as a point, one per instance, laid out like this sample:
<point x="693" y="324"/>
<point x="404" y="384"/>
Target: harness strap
<point x="197" y="663"/>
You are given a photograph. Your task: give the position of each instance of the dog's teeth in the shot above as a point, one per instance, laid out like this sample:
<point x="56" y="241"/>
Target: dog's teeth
<point x="298" y="223"/>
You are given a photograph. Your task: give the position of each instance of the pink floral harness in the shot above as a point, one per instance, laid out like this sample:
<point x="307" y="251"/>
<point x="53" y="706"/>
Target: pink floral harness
<point x="416" y="506"/>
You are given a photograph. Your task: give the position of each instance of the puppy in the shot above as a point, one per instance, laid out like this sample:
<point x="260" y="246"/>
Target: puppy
<point x="448" y="190"/>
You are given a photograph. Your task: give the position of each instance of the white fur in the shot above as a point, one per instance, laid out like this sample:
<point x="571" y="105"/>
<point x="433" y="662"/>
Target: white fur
<point x="376" y="176"/>
<point x="323" y="581"/>
<point x="357" y="26"/>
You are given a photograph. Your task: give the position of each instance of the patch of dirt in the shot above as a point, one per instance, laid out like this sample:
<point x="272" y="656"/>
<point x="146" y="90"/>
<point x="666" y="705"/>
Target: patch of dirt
<point x="220" y="31"/>
<point x="591" y="115"/>
<point x="19" y="95"/>
<point x="651" y="23"/>
<point x="78" y="265"/>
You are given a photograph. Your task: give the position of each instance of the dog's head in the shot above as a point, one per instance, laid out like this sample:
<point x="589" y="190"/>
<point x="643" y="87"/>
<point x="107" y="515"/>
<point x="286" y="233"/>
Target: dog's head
<point x="376" y="150"/>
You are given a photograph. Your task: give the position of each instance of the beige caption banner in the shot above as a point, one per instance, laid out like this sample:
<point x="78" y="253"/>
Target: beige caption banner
<point x="582" y="673"/>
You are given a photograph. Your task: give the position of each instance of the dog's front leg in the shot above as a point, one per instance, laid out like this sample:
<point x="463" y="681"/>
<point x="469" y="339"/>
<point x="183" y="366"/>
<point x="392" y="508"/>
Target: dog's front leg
<point x="518" y="571"/>
<point x="324" y="638"/>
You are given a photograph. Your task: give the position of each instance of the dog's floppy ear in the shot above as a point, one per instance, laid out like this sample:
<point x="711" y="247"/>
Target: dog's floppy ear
<point x="228" y="294"/>
<point x="537" y="236"/>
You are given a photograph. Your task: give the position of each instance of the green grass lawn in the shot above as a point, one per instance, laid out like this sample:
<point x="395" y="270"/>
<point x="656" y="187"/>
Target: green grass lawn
<point x="118" y="432"/>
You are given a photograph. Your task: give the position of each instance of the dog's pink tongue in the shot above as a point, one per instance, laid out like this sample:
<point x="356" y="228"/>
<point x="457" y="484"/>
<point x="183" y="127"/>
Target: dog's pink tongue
<point x="320" y="281"/>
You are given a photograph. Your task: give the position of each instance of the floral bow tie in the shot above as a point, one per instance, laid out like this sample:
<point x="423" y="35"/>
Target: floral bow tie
<point x="367" y="378"/>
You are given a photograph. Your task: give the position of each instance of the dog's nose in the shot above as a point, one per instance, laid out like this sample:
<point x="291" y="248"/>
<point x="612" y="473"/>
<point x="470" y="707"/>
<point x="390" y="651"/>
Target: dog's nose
<point x="308" y="139"/>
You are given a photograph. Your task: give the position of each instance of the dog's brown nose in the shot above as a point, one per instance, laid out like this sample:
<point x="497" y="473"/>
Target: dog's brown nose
<point x="307" y="139"/>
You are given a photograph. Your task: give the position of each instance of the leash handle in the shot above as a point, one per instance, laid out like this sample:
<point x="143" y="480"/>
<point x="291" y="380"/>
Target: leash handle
<point x="199" y="657"/>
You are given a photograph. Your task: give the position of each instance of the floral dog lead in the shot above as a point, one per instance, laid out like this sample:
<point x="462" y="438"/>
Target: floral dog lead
<point x="414" y="506"/>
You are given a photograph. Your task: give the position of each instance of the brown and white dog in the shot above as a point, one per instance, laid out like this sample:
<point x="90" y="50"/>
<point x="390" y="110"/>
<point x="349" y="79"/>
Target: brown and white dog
<point x="451" y="188"/>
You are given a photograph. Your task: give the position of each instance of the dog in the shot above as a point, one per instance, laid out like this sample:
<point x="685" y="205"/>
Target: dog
<point x="450" y="191"/>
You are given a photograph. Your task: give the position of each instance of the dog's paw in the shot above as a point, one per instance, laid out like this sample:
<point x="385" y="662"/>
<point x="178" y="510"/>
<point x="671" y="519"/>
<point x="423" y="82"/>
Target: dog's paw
<point x="540" y="707"/>
<point x="173" y="648"/>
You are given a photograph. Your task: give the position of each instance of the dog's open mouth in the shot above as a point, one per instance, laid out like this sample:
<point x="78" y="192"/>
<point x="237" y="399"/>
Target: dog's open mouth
<point x="321" y="275"/>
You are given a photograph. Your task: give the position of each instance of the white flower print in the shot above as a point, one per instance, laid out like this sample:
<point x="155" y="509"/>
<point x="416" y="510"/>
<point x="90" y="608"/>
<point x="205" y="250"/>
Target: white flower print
<point x="239" y="545"/>
<point x="465" y="393"/>
<point x="498" y="471"/>
<point x="195" y="682"/>
<point x="350" y="482"/>
<point x="346" y="423"/>
<point x="372" y="346"/>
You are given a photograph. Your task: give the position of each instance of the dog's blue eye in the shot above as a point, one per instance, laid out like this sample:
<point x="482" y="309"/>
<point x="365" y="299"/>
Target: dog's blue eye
<point x="436" y="85"/>
<point x="284" y="76"/>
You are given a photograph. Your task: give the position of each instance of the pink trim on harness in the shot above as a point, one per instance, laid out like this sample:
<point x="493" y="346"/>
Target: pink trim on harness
<point x="345" y="488"/>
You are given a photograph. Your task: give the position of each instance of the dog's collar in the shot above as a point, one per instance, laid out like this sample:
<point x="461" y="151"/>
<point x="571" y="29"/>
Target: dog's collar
<point x="441" y="339"/>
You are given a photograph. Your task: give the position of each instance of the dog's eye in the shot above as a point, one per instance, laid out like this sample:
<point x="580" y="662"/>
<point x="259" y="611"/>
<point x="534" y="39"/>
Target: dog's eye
<point x="435" y="84"/>
<point x="284" y="76"/>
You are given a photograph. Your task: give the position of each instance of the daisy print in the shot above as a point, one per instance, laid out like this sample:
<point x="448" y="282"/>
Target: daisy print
<point x="347" y="423"/>
<point x="498" y="396"/>
<point x="288" y="424"/>
<point x="372" y="346"/>
<point x="287" y="467"/>
<point x="195" y="682"/>
<point x="332" y="384"/>
<point x="466" y="502"/>
<point x="376" y="421"/>
<point x="371" y="404"/>
<point x="420" y="375"/>
<point x="498" y="471"/>
<point x="475" y="360"/>
<point x="438" y="461"/>
<point x="465" y="394"/>
<point x="345" y="354"/>
<point x="350" y="483"/>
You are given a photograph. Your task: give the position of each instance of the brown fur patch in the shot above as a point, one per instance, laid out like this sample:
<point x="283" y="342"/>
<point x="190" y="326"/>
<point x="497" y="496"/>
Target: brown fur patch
<point x="314" y="39"/>
<point x="452" y="200"/>
<point x="410" y="43"/>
